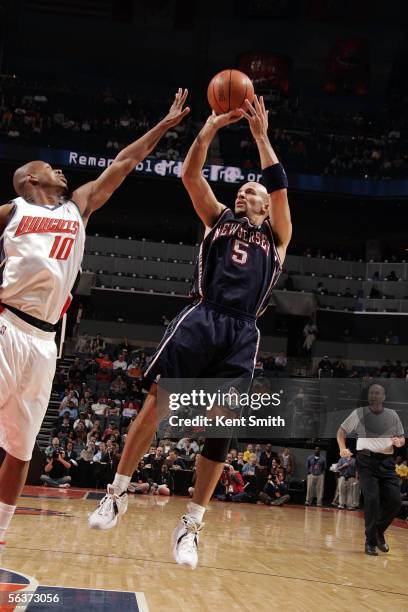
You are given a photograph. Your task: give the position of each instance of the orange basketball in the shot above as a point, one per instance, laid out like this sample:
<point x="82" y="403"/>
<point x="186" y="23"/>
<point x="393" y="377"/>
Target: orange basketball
<point x="228" y="90"/>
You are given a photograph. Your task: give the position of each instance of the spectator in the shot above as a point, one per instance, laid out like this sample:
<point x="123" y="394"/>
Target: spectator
<point x="70" y="454"/>
<point x="98" y="344"/>
<point x="99" y="409"/>
<point x="257" y="452"/>
<point x="287" y="462"/>
<point x="68" y="399"/>
<point x="80" y="438"/>
<point x="118" y="388"/>
<point x="104" y="362"/>
<point x="239" y="462"/>
<point x="274" y="492"/>
<point x="87" y="423"/>
<point x="88" y="453"/>
<point x="316" y="467"/>
<point x="65" y="427"/>
<point x="129" y="412"/>
<point x="140" y="481"/>
<point x="75" y="371"/>
<point x="181" y="444"/>
<point x="173" y="461"/>
<point x="53" y="447"/>
<point x="164" y="484"/>
<point x="134" y="371"/>
<point x="248" y="452"/>
<point x="266" y="458"/>
<point x="349" y="490"/>
<point x="249" y="469"/>
<point x="120" y="364"/>
<point x="56" y="470"/>
<point x="95" y="432"/>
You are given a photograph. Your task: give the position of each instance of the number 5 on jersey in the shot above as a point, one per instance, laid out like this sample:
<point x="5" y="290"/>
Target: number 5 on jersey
<point x="61" y="251"/>
<point x="240" y="252"/>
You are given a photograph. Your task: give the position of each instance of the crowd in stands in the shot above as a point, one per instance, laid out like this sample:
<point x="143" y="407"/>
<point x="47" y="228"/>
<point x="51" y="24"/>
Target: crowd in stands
<point x="313" y="141"/>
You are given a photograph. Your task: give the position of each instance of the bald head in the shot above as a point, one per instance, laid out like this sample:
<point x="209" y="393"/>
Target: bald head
<point x="253" y="202"/>
<point x="36" y="180"/>
<point x="26" y="174"/>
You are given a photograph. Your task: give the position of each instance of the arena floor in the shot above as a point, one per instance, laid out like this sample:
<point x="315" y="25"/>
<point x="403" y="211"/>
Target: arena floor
<point x="251" y="558"/>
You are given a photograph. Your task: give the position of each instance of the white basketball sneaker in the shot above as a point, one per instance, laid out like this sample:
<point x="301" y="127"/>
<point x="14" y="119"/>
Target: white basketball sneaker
<point x="185" y="541"/>
<point x="110" y="508"/>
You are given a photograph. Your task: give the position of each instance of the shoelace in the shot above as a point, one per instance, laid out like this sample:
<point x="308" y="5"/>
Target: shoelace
<point x="107" y="504"/>
<point x="189" y="540"/>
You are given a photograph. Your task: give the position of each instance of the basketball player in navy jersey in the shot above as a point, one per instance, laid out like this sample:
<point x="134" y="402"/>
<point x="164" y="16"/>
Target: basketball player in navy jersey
<point x="240" y="260"/>
<point x="42" y="237"/>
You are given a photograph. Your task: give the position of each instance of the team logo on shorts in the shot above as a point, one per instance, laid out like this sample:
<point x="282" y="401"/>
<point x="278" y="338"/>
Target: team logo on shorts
<point x="3" y="329"/>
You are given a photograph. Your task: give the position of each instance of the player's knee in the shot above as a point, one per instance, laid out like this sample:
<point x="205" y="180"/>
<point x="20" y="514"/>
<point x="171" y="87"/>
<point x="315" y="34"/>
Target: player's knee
<point x="16" y="463"/>
<point x="216" y="449"/>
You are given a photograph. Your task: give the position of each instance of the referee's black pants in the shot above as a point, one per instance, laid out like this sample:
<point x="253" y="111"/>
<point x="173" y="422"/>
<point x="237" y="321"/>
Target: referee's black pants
<point x="380" y="486"/>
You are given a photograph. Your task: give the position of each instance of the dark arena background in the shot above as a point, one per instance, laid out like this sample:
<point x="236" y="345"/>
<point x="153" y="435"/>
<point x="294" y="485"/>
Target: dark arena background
<point x="80" y="80"/>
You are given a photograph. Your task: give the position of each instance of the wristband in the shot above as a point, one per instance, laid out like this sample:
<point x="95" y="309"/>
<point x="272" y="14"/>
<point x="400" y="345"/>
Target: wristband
<point x="274" y="178"/>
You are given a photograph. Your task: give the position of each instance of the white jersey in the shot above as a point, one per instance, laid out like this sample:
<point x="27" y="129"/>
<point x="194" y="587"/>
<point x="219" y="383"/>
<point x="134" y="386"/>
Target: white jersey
<point x="41" y="251"/>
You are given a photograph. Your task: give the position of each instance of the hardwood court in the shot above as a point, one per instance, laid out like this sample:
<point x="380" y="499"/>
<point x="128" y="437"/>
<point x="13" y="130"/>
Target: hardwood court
<point x="251" y="557"/>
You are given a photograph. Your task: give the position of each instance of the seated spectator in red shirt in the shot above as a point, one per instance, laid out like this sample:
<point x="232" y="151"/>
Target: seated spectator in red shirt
<point x="104" y="362"/>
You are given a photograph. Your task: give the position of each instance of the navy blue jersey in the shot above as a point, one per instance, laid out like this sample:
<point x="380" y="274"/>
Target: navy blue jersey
<point x="237" y="264"/>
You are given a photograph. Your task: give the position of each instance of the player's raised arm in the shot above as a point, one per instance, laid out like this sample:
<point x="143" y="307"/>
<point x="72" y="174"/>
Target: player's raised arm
<point x="95" y="194"/>
<point x="274" y="175"/>
<point x="202" y="196"/>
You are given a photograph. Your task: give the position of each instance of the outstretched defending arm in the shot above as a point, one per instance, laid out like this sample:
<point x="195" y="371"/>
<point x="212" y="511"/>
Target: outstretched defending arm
<point x="279" y="211"/>
<point x="202" y="196"/>
<point x="95" y="194"/>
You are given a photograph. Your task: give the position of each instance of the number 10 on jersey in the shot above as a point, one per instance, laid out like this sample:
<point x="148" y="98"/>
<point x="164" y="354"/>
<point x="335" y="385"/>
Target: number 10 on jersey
<point x="61" y="248"/>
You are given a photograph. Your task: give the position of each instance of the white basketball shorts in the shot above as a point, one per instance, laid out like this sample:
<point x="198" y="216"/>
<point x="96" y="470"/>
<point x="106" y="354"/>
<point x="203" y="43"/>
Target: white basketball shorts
<point x="27" y="365"/>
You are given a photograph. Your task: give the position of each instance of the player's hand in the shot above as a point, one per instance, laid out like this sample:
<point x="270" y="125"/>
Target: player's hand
<point x="257" y="117"/>
<point x="346" y="453"/>
<point x="220" y="121"/>
<point x="177" y="112"/>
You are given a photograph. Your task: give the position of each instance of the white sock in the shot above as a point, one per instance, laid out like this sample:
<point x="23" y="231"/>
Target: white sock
<point x="6" y="514"/>
<point x="120" y="483"/>
<point x="195" y="511"/>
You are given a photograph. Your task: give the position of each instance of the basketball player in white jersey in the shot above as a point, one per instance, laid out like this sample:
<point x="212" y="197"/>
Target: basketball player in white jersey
<point x="42" y="238"/>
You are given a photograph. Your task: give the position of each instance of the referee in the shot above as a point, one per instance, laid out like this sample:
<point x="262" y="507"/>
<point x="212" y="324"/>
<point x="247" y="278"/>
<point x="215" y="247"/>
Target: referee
<point x="378" y="430"/>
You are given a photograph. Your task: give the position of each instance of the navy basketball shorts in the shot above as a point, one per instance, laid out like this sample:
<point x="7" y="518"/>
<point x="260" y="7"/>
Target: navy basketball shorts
<point x="206" y="340"/>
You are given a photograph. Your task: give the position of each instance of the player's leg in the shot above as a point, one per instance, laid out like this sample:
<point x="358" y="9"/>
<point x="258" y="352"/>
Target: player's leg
<point x="13" y="474"/>
<point x="237" y="367"/>
<point x="22" y="413"/>
<point x="209" y="469"/>
<point x="178" y="355"/>
<point x="138" y="441"/>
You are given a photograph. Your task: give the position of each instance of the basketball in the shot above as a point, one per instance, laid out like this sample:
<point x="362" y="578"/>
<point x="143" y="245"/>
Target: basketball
<point x="228" y="90"/>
